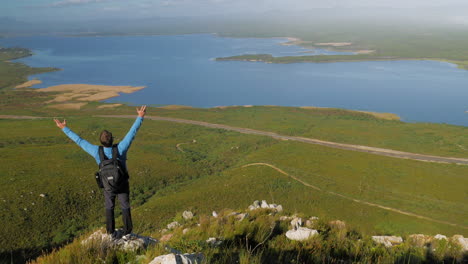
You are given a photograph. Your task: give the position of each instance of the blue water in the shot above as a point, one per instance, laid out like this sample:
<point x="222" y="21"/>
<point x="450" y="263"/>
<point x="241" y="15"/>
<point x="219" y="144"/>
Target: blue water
<point x="181" y="70"/>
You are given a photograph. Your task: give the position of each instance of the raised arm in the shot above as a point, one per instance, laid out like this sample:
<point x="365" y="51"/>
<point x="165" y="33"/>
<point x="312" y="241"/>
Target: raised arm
<point x="124" y="145"/>
<point x="85" y="145"/>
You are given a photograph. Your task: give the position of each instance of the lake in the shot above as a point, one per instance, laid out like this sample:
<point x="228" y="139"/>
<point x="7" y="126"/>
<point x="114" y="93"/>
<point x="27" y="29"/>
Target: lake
<point x="181" y="70"/>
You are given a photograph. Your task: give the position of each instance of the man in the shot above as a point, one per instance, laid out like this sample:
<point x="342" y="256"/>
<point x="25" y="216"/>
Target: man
<point x="106" y="139"/>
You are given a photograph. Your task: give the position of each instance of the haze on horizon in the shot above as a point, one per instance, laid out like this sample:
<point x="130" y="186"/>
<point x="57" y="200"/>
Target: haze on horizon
<point x="203" y="16"/>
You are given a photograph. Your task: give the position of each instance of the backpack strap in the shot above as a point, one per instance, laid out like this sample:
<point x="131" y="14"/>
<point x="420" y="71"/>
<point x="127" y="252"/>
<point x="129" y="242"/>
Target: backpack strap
<point x="115" y="152"/>
<point x="102" y="156"/>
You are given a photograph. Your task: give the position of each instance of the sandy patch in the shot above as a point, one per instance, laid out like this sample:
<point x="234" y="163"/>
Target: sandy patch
<point x="334" y="44"/>
<point x="109" y="106"/>
<point x="385" y="116"/>
<point x="69" y="106"/>
<point x="364" y="51"/>
<point x="87" y="92"/>
<point x="248" y="105"/>
<point x="175" y="107"/>
<point x="28" y="84"/>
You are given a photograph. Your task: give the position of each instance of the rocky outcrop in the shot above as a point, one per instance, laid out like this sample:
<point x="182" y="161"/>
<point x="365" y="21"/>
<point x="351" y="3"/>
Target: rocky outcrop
<point x="388" y="241"/>
<point x="132" y="242"/>
<point x="301" y="233"/>
<point x="264" y="205"/>
<point x="461" y="241"/>
<point x="172" y="258"/>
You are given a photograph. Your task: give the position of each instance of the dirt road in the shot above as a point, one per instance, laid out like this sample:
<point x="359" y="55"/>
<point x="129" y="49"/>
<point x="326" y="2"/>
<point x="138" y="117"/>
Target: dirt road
<point x="372" y="150"/>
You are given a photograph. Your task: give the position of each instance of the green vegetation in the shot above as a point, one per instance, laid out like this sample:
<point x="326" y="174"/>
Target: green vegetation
<point x="387" y="42"/>
<point x="12" y="74"/>
<point x="260" y="238"/>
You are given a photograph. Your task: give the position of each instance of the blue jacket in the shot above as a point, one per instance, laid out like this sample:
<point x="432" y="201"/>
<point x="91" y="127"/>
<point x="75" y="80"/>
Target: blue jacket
<point x="93" y="150"/>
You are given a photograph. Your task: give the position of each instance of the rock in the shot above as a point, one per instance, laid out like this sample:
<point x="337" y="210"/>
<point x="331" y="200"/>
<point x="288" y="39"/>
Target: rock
<point x="178" y="259"/>
<point x="460" y="240"/>
<point x="337" y="224"/>
<point x="296" y="222"/>
<point x="279" y="208"/>
<point x="440" y="237"/>
<point x="42" y="195"/>
<point x="187" y="215"/>
<point x="215" y="214"/>
<point x="251" y="207"/>
<point x="163" y="230"/>
<point x="214" y="242"/>
<point x="272" y="206"/>
<point x="285" y="218"/>
<point x="173" y="225"/>
<point x="264" y="204"/>
<point x="166" y="237"/>
<point x="311" y="221"/>
<point x="135" y="242"/>
<point x="301" y="233"/>
<point x="419" y="240"/>
<point x="256" y="204"/>
<point x="185" y="230"/>
<point x="387" y="241"/>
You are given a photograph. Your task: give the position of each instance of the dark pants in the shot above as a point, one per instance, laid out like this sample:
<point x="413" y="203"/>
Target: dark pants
<point x="109" y="199"/>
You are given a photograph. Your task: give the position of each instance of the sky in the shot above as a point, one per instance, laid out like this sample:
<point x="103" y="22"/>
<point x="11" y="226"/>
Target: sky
<point x="30" y="10"/>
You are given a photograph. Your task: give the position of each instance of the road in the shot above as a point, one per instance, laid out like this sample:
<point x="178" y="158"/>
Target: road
<point x="359" y="148"/>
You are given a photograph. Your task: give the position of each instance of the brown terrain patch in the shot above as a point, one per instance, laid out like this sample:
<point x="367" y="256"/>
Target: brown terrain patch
<point x="334" y="44"/>
<point x="109" y="106"/>
<point x="68" y="106"/>
<point x="28" y="84"/>
<point x="175" y="107"/>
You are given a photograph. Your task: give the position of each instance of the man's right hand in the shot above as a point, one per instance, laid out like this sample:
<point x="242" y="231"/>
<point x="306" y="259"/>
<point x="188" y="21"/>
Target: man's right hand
<point x="142" y="111"/>
<point x="61" y="125"/>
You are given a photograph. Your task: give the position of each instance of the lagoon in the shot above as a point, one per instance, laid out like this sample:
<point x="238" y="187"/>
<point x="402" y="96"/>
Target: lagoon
<point x="181" y="70"/>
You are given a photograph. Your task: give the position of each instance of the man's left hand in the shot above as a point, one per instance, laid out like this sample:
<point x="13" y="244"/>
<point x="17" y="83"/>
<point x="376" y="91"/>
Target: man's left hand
<point x="61" y="125"/>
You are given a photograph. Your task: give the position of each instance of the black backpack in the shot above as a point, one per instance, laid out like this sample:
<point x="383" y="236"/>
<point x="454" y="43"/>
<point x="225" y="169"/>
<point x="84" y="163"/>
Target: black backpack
<point x="112" y="176"/>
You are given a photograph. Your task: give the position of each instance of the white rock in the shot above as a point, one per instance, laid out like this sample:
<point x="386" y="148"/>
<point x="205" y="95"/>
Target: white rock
<point x="215" y="214"/>
<point x="251" y="207"/>
<point x="42" y="195"/>
<point x="185" y="230"/>
<point x="440" y="237"/>
<point x="187" y="215"/>
<point x="301" y="233"/>
<point x="296" y="222"/>
<point x="134" y="243"/>
<point x="264" y="204"/>
<point x="460" y="240"/>
<point x="256" y="204"/>
<point x="178" y="259"/>
<point x="279" y="208"/>
<point x="272" y="206"/>
<point x="388" y="241"/>
<point x="173" y="225"/>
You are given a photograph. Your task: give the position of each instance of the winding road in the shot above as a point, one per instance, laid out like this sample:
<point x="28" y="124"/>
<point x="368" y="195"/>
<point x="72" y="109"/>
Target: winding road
<point x="372" y="150"/>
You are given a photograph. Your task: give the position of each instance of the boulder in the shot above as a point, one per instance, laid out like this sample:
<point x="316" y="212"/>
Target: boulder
<point x="187" y="215"/>
<point x="460" y="240"/>
<point x="388" y="241"/>
<point x="252" y="207"/>
<point x="279" y="208"/>
<point x="173" y="225"/>
<point x="256" y="204"/>
<point x="440" y="237"/>
<point x="264" y="204"/>
<point x="419" y="240"/>
<point x="132" y="243"/>
<point x="178" y="259"/>
<point x="301" y="233"/>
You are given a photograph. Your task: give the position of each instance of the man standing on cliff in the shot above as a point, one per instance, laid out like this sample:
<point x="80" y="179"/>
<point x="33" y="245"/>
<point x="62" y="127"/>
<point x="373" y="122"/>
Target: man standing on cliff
<point x="107" y="141"/>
